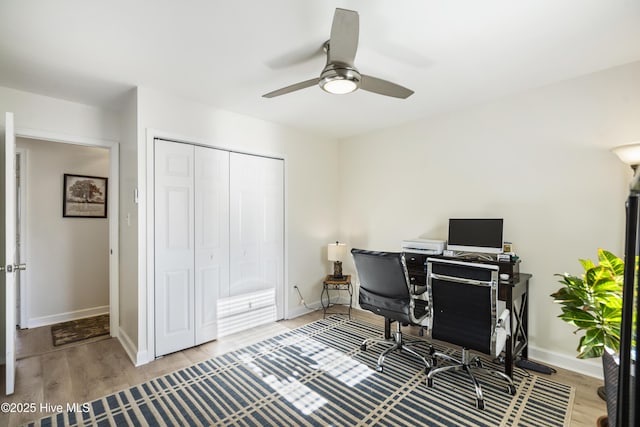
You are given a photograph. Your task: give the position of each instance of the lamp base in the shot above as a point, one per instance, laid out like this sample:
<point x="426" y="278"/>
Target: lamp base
<point x="337" y="270"/>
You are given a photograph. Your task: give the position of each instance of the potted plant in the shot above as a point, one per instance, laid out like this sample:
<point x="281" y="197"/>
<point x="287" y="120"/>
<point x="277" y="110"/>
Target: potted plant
<point x="592" y="303"/>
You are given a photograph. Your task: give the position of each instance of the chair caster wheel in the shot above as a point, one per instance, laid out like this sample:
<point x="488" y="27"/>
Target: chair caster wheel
<point x="380" y="368"/>
<point x="511" y="389"/>
<point x="480" y="404"/>
<point x="429" y="382"/>
<point x="363" y="347"/>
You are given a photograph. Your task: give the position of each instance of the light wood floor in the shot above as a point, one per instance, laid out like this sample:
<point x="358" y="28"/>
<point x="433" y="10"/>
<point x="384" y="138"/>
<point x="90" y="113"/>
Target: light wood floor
<point x="85" y="372"/>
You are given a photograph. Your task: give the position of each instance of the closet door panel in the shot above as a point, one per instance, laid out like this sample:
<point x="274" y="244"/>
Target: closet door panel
<point x="176" y="298"/>
<point x="272" y="246"/>
<point x="174" y="247"/>
<point x="257" y="225"/>
<point x="212" y="238"/>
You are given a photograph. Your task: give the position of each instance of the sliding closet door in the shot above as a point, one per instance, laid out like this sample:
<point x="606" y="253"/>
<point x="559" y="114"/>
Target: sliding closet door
<point x="211" y="238"/>
<point x="257" y="230"/>
<point x="174" y="247"/>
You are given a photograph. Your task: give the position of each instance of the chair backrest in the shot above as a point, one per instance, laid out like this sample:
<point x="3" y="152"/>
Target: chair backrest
<point x="464" y="299"/>
<point x="382" y="273"/>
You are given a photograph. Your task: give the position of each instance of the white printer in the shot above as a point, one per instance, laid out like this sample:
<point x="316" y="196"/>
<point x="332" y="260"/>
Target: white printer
<point x="423" y="246"/>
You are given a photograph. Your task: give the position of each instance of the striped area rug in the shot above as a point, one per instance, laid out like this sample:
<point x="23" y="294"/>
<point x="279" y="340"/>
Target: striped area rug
<point x="317" y="375"/>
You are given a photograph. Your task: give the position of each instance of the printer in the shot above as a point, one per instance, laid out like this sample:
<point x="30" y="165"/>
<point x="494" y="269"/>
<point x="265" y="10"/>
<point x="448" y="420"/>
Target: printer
<point x="423" y="246"/>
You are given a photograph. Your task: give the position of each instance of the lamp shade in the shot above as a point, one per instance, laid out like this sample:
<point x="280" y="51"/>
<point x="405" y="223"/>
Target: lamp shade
<point x="629" y="153"/>
<point x="336" y="251"/>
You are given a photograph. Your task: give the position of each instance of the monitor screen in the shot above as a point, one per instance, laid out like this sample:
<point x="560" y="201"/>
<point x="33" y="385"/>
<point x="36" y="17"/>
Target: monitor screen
<point x="475" y="235"/>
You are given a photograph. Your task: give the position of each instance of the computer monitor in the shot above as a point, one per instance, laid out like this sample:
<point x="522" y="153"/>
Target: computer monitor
<point x="482" y="235"/>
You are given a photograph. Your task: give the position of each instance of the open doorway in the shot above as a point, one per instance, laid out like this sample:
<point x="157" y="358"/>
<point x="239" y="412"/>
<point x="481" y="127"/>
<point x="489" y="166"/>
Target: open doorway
<point x="68" y="275"/>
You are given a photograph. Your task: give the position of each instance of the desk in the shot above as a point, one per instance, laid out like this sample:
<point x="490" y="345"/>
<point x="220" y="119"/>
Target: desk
<point x="513" y="292"/>
<point x="330" y="284"/>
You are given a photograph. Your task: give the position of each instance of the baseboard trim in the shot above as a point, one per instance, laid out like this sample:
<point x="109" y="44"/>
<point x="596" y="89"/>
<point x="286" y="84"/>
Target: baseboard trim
<point x="65" y="317"/>
<point x="137" y="358"/>
<point x="590" y="367"/>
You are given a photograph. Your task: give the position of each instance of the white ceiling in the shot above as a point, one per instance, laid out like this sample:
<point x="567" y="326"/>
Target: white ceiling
<point x="452" y="53"/>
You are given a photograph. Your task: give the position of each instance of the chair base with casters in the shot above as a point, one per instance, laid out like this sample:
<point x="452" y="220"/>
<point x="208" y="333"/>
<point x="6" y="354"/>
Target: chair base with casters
<point x="469" y="363"/>
<point x="397" y="344"/>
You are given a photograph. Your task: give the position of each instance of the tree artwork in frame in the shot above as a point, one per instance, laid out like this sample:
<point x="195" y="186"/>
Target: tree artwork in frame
<point x="84" y="196"/>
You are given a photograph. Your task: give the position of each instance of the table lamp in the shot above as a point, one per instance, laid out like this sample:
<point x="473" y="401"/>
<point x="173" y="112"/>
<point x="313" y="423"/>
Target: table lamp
<point x="336" y="252"/>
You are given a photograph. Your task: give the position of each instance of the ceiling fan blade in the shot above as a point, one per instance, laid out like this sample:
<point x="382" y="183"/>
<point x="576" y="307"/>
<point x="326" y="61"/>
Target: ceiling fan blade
<point x="384" y="87"/>
<point x="344" y="37"/>
<point x="292" y="88"/>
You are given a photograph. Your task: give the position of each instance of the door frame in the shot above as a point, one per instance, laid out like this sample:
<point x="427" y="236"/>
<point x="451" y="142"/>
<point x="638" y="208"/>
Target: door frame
<point x="146" y="237"/>
<point x="112" y="208"/>
<point x="22" y="228"/>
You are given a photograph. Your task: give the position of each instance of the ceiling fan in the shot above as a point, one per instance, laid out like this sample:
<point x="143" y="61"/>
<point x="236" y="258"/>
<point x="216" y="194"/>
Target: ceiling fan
<point x="340" y="75"/>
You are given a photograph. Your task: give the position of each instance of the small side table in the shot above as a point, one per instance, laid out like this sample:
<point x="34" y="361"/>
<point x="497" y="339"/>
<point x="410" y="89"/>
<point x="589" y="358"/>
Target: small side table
<point x="331" y="284"/>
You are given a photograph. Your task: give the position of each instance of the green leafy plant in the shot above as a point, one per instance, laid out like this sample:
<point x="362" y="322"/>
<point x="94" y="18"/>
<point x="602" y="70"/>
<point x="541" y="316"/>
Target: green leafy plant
<point x="592" y="302"/>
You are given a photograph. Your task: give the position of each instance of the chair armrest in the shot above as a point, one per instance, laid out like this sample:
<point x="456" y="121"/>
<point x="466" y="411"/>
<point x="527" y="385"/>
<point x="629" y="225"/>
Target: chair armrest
<point x="419" y="320"/>
<point x="416" y="290"/>
<point x="503" y="320"/>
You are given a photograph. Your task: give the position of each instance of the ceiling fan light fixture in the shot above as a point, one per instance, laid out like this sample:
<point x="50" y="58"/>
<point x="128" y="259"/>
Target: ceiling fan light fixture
<point x="339" y="81"/>
<point x="339" y="86"/>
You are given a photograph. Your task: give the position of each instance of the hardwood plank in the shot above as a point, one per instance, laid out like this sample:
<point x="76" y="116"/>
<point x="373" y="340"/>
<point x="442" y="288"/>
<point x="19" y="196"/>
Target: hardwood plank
<point x="34" y="341"/>
<point x="56" y="378"/>
<point x="28" y="389"/>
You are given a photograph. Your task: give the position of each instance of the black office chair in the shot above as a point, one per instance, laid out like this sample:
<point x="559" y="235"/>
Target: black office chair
<point x="464" y="299"/>
<point x="385" y="290"/>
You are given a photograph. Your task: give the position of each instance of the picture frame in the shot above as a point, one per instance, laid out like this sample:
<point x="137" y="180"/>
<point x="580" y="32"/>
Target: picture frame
<point x="84" y="196"/>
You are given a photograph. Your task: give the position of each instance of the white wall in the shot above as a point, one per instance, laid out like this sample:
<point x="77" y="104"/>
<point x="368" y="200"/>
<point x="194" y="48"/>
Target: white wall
<point x="68" y="260"/>
<point x="540" y="160"/>
<point x="128" y="236"/>
<point x="311" y="180"/>
<point x="56" y="116"/>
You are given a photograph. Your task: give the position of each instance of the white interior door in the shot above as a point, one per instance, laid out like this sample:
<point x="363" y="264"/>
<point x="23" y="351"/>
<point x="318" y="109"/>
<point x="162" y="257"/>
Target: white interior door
<point x="257" y="226"/>
<point x="211" y="238"/>
<point x="7" y="260"/>
<point x="174" y="247"/>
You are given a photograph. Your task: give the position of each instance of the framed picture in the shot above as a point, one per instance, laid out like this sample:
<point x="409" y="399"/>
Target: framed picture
<point x="84" y="196"/>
